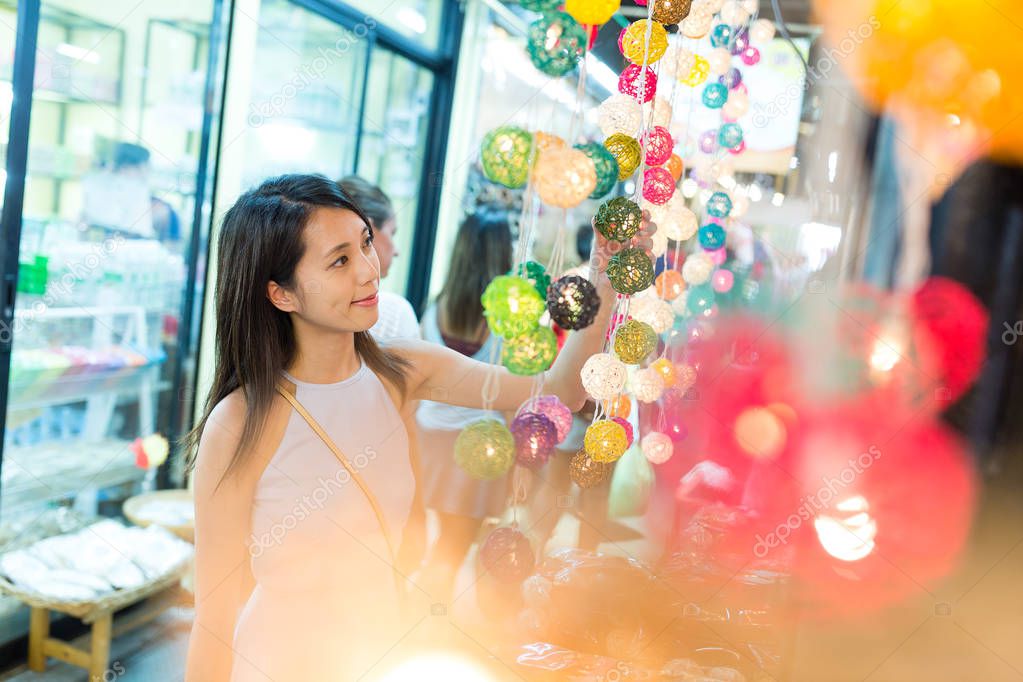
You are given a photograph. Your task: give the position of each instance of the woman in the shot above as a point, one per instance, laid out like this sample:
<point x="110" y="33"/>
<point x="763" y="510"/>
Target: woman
<point x="298" y="515"/>
<point x="482" y="251"/>
<point x="397" y="319"/>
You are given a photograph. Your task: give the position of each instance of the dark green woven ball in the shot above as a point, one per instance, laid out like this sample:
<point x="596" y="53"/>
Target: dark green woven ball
<point x="535" y="273"/>
<point x="630" y="271"/>
<point x="607" y="167"/>
<point x="556" y="42"/>
<point x="618" y="219"/>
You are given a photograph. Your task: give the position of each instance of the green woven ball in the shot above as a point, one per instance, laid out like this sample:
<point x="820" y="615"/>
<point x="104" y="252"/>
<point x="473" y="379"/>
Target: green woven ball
<point x="512" y="306"/>
<point x="700" y="299"/>
<point x="607" y="167"/>
<point x="630" y="271"/>
<point x="485" y="449"/>
<point x="540" y="5"/>
<point x="555" y="42"/>
<point x="618" y="219"/>
<point x="634" y="340"/>
<point x="626" y="151"/>
<point x="530" y="353"/>
<point x="534" y="273"/>
<point x="506" y="154"/>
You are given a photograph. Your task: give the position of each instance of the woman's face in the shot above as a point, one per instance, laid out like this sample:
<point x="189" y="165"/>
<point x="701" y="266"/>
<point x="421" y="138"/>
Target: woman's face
<point x="336" y="281"/>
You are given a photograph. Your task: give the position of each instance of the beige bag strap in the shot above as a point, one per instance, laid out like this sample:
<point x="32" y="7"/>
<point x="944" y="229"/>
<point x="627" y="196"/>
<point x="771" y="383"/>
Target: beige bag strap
<point x="351" y="470"/>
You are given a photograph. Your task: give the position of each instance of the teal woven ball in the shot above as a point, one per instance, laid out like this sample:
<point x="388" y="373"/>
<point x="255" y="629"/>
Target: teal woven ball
<point x="555" y="43"/>
<point x="607" y="167"/>
<point x="719" y="205"/>
<point x="712" y="236"/>
<point x="485" y="449"/>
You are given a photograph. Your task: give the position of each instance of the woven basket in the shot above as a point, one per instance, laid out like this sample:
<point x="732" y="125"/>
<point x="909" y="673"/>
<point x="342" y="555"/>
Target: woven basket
<point x="134" y="505"/>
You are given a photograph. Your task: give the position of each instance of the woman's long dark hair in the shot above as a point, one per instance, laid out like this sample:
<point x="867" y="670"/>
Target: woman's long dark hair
<point x="261" y="240"/>
<point x="483" y="250"/>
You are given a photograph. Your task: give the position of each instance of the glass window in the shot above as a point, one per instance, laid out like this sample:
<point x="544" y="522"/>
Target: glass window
<point x="110" y="184"/>
<point x="415" y="19"/>
<point x="393" y="146"/>
<point x="8" y="28"/>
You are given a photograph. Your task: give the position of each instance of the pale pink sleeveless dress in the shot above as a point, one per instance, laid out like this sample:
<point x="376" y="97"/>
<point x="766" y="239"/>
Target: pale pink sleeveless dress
<point x="325" y="606"/>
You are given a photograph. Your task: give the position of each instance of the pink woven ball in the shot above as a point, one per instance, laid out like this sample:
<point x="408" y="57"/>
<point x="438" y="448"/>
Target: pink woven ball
<point x="658" y="185"/>
<point x="717" y="256"/>
<point x="555" y="410"/>
<point x="722" y="281"/>
<point x="750" y="56"/>
<point x="632" y="76"/>
<point x="739" y="148"/>
<point x="624" y="423"/>
<point x="658" y="145"/>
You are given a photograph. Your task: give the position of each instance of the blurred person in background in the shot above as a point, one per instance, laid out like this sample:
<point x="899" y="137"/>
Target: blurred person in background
<point x="397" y="317"/>
<point x="482" y="251"/>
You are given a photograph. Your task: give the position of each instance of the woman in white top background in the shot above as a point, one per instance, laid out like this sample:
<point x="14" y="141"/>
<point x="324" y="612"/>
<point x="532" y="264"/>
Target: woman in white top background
<point x="293" y="560"/>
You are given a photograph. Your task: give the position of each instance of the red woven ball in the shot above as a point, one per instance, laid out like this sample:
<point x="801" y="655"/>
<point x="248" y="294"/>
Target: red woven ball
<point x="629" y="82"/>
<point x="657" y="144"/>
<point x="658" y="185"/>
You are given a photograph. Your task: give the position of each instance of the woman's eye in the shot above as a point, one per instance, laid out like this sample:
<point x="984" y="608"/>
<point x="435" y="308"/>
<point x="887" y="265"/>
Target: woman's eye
<point x="368" y="243"/>
<point x="341" y="261"/>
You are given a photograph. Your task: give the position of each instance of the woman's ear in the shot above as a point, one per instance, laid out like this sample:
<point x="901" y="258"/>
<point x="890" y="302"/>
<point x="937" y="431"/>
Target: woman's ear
<point x="280" y="297"/>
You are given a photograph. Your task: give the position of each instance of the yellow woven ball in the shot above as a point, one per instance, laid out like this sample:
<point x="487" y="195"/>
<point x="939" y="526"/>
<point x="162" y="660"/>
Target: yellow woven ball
<point x="605" y="441"/>
<point x="666" y="369"/>
<point x="626" y="151"/>
<point x="634" y="46"/>
<point x="592" y="12"/>
<point x="698" y="73"/>
<point x="634" y="341"/>
<point x="564" y="177"/>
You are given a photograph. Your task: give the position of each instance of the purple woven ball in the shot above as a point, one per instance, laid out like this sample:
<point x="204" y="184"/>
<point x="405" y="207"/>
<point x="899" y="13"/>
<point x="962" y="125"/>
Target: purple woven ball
<point x="551" y="407"/>
<point x="507" y="555"/>
<point x="535" y="437"/>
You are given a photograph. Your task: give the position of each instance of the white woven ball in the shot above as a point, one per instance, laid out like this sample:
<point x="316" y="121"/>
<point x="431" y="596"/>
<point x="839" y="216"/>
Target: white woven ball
<point x="603" y="376"/>
<point x="679" y="304"/>
<point x="657" y="447"/>
<point x="681" y="223"/>
<point x="662" y="112"/>
<point x="646" y="385"/>
<point x="762" y="31"/>
<point x="732" y="12"/>
<point x="720" y="60"/>
<point x="619" y="114"/>
<point x="697" y="24"/>
<point x="660" y="243"/>
<point x="656" y="312"/>
<point x="697" y="269"/>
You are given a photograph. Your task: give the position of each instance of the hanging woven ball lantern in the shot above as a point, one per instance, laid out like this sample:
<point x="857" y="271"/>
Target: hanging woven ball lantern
<point x="530" y="353"/>
<point x="658" y="244"/>
<point x="555" y="43"/>
<point x="604" y="165"/>
<point x="603" y="376"/>
<point x="658" y="112"/>
<point x="698" y="73"/>
<point x="762" y="31"/>
<point x="719" y="205"/>
<point x="741" y="41"/>
<point x="605" y="441"/>
<point x="630" y="271"/>
<point x="676" y="63"/>
<point x="722" y="281"/>
<point x="666" y="368"/>
<point x="620" y="114"/>
<point x="715" y="95"/>
<point x="721" y="36"/>
<point x="634" y="46"/>
<point x="633" y="341"/>
<point x="626" y="151"/>
<point x="720" y="60"/>
<point x="731" y="78"/>
<point x="671" y="11"/>
<point x="669" y="284"/>
<point x="685" y="377"/>
<point x="592" y="12"/>
<point x="697" y="23"/>
<point x="700" y="299"/>
<point x="511" y="305"/>
<point x="736" y="106"/>
<point x="485" y="449"/>
<point x="657" y="447"/>
<point x="697" y="269"/>
<point x="658" y="185"/>
<point x="547" y="142"/>
<point x="506" y="154"/>
<point x="564" y="177"/>
<point x="573" y="302"/>
<point x="507" y="556"/>
<point x="730" y="135"/>
<point x="557" y="412"/>
<point x="653" y="311"/>
<point x="535" y="437"/>
<point x="618" y="219"/>
<point x="646" y="385"/>
<point x="619" y="406"/>
<point x="657" y="144"/>
<point x="681" y="223"/>
<point x="633" y="78"/>
<point x="675" y="166"/>
<point x="627" y="427"/>
<point x="535" y="273"/>
<point x="712" y="236"/>
<point x="586" y="472"/>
